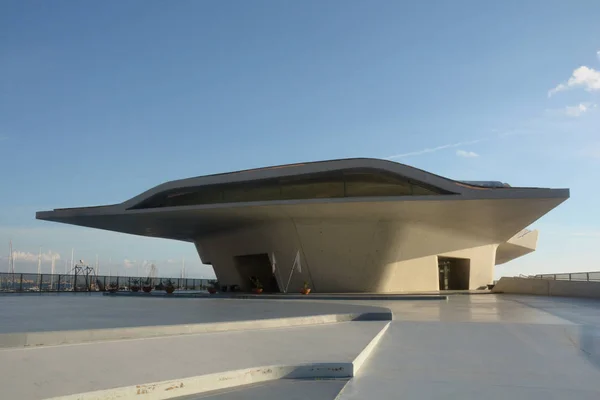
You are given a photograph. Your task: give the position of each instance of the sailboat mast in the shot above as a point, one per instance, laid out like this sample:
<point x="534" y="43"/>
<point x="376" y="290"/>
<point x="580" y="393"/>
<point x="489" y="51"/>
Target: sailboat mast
<point x="10" y="257"/>
<point x="72" y="257"/>
<point x="40" y="262"/>
<point x="52" y="270"/>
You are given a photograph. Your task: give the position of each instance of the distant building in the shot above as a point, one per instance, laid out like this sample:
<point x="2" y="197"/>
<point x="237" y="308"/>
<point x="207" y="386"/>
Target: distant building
<point x="354" y="225"/>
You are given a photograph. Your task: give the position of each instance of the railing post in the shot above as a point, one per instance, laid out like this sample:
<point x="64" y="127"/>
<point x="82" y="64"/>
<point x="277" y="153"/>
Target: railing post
<point x="554" y="276"/>
<point x="21" y="284"/>
<point x="587" y="276"/>
<point x="41" y="283"/>
<point x="58" y="284"/>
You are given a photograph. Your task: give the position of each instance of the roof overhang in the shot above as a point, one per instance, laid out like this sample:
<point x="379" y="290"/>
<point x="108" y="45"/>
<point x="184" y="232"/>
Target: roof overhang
<point x="489" y="213"/>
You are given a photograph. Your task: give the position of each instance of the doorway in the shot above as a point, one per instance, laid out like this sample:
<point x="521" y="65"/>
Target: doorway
<point x="454" y="273"/>
<point x="257" y="266"/>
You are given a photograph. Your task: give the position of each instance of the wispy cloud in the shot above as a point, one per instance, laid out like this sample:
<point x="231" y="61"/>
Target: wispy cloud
<point x="466" y="154"/>
<point x="496" y="135"/>
<point x="578" y="110"/>
<point x="585" y="77"/>
<point x="598" y="54"/>
<point x="31" y="257"/>
<point x="438" y="148"/>
<point x="127" y="263"/>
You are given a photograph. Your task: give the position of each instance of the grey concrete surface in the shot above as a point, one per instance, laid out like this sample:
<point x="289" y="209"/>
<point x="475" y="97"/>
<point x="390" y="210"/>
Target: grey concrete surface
<point x="32" y="339"/>
<point x="401" y="296"/>
<point x="282" y="389"/>
<point x="56" y="312"/>
<point x="497" y="347"/>
<point x="470" y="347"/>
<point x="485" y="308"/>
<point x="37" y="373"/>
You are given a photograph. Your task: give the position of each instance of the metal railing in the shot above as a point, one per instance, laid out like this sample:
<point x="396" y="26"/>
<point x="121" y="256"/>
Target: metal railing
<point x="593" y="276"/>
<point x="24" y="282"/>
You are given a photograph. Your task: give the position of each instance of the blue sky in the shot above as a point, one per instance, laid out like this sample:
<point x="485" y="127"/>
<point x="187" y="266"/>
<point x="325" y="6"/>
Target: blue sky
<point x="100" y="101"/>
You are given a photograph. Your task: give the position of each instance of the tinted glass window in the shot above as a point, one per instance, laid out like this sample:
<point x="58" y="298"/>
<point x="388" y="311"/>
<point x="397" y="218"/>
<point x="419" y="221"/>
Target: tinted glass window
<point x="355" y="183"/>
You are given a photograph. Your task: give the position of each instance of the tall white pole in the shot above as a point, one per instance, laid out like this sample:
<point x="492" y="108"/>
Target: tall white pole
<point x="72" y="258"/>
<point x="52" y="267"/>
<point x="40" y="262"/>
<point x="13" y="261"/>
<point x="10" y="258"/>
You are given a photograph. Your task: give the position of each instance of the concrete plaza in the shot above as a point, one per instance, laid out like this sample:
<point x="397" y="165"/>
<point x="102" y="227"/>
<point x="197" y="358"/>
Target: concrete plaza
<point x="497" y="346"/>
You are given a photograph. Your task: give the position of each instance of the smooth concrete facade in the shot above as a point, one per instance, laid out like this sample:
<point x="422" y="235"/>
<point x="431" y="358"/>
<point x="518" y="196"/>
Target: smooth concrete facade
<point x="369" y="243"/>
<point x="346" y="256"/>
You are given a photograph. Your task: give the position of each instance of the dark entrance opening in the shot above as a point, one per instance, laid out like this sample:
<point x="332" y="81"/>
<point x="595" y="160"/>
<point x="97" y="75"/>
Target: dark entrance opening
<point x="454" y="273"/>
<point x="257" y="266"/>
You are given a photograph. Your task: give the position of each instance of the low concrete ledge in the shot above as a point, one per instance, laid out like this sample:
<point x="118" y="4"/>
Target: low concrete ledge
<point x="366" y="352"/>
<point x="218" y="381"/>
<point x="229" y="379"/>
<point x="282" y="296"/>
<point x="358" y="296"/>
<point x="547" y="287"/>
<point x="30" y="339"/>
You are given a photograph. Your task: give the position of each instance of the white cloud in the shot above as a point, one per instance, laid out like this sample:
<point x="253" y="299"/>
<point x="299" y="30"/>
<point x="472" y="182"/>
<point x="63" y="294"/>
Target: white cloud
<point x="496" y="135"/>
<point x="466" y="154"/>
<point x="578" y="110"/>
<point x="598" y="54"/>
<point x="434" y="149"/>
<point x="31" y="257"/>
<point x="127" y="263"/>
<point x="585" y="77"/>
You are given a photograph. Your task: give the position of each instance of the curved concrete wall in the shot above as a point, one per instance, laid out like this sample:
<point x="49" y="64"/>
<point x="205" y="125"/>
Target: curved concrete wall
<point x="341" y="255"/>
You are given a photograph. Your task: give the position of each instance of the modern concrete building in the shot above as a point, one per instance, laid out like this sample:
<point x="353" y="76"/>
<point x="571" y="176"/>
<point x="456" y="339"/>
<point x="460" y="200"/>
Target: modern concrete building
<point x="355" y="225"/>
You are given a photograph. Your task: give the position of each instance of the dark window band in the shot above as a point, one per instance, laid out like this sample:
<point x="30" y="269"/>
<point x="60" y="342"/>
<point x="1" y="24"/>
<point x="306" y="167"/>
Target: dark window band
<point x="328" y="185"/>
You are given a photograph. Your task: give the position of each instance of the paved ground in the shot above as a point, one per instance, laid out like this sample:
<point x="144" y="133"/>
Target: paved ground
<point x="491" y="308"/>
<point x="498" y="347"/>
<point x="283" y="389"/>
<point x="36" y="373"/>
<point x="469" y="347"/>
<point x="69" y="311"/>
